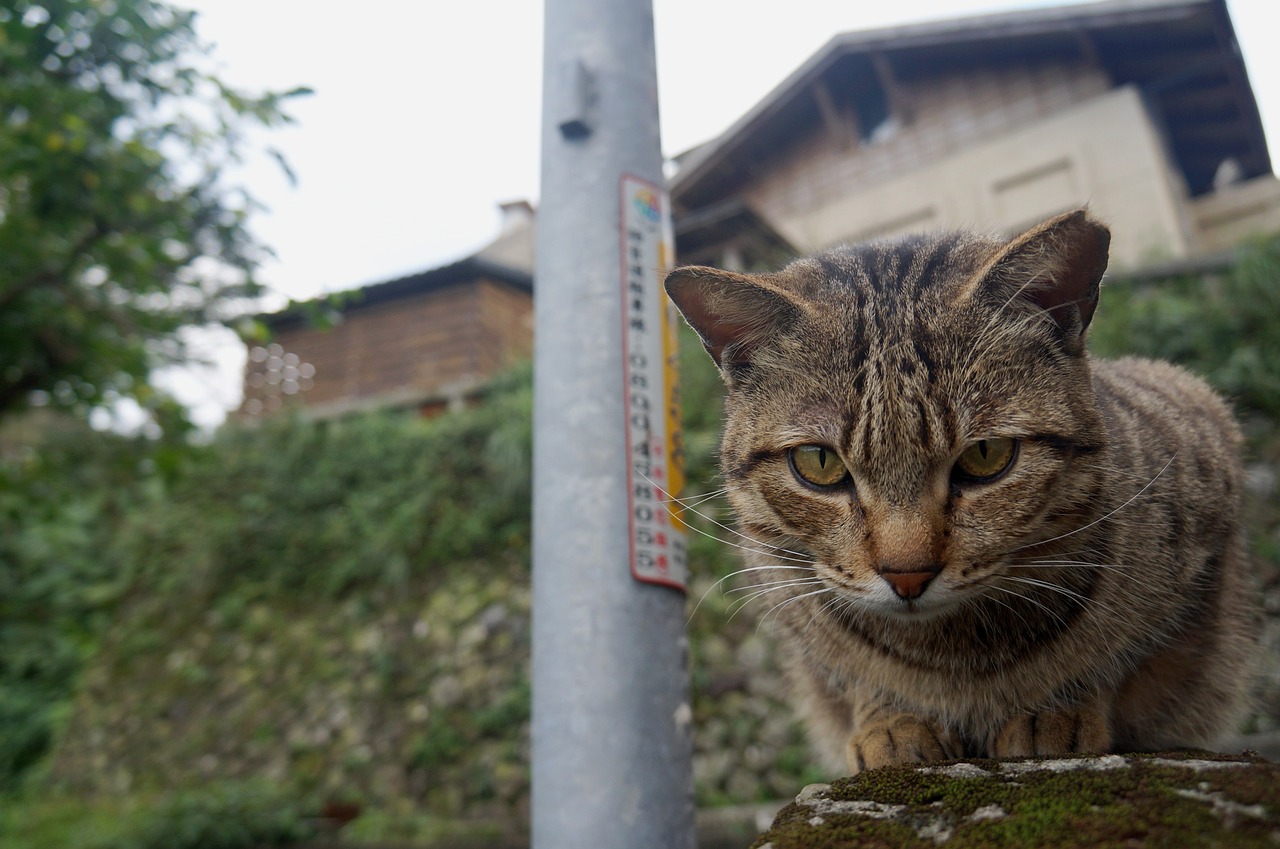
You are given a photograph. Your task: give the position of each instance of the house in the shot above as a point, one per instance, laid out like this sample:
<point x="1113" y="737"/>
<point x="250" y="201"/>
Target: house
<point x="1141" y="109"/>
<point x="426" y="342"/>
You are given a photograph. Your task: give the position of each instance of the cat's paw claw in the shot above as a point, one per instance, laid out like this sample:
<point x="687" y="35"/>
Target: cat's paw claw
<point x="901" y="739"/>
<point x="1079" y="731"/>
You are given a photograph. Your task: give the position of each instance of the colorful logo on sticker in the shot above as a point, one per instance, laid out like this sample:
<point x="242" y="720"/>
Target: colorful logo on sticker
<point x="646" y="203"/>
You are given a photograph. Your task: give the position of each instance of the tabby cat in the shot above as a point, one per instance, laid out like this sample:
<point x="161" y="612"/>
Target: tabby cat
<point x="977" y="539"/>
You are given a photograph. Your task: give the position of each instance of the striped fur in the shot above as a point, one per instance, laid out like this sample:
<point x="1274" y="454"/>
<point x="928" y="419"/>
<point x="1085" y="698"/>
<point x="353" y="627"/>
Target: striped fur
<point x="1091" y="597"/>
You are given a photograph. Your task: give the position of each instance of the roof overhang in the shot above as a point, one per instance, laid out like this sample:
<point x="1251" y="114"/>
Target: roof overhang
<point x="1181" y="54"/>
<point x="468" y="270"/>
<point x="702" y="233"/>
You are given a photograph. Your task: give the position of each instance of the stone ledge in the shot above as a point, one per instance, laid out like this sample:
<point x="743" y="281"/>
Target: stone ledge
<point x="1171" y="799"/>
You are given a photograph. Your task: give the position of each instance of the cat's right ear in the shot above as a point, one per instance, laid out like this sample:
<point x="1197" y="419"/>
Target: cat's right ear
<point x="732" y="313"/>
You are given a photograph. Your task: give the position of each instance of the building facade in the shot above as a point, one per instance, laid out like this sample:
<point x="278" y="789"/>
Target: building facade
<point x="426" y="342"/>
<point x="1140" y="109"/>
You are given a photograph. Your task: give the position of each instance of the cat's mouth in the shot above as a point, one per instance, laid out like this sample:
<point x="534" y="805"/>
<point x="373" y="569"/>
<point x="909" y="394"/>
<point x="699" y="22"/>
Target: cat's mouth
<point x="908" y="595"/>
<point x="925" y="606"/>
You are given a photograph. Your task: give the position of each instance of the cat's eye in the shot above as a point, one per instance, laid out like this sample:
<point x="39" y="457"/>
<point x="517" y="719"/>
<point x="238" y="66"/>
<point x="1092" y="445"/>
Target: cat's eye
<point x="986" y="459"/>
<point x="818" y="465"/>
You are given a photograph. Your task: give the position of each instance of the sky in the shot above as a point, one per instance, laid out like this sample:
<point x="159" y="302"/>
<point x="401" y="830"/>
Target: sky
<point x="426" y="116"/>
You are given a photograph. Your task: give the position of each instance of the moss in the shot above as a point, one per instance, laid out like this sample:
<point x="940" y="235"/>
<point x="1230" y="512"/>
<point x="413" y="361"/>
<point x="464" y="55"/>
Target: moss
<point x="1146" y="801"/>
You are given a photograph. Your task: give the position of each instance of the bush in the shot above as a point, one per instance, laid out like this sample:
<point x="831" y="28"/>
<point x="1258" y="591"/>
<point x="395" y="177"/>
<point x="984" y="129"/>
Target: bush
<point x="1226" y="328"/>
<point x="249" y="815"/>
<point x="329" y="507"/>
<point x="62" y="501"/>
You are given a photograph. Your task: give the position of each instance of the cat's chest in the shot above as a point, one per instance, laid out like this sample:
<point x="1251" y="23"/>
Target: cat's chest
<point x="973" y="668"/>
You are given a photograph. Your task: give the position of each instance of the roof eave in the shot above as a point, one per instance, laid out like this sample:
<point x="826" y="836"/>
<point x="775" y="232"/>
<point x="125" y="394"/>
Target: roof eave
<point x="1022" y="23"/>
<point x="465" y="270"/>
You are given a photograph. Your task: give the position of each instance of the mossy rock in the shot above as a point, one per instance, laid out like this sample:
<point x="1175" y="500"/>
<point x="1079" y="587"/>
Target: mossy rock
<point x="1169" y="800"/>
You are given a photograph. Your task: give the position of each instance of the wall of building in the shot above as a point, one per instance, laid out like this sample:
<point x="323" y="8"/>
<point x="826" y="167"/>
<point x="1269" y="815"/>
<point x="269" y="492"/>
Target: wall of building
<point x="1236" y="213"/>
<point x="506" y="326"/>
<point x="1103" y="152"/>
<point x="949" y="112"/>
<point x="425" y="350"/>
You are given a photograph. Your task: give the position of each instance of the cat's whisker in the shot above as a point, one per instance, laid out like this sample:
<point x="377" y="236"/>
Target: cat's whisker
<point x="837" y="600"/>
<point x="977" y="608"/>
<point x="769" y="586"/>
<point x="741" y="603"/>
<point x="736" y="573"/>
<point x="1066" y="564"/>
<point x="680" y="504"/>
<point x="791" y="600"/>
<point x="800" y="558"/>
<point x="760" y="593"/>
<point x="692" y="501"/>
<point x="973" y="601"/>
<point x="1082" y="600"/>
<point x="1105" y="516"/>
<point x="1049" y="611"/>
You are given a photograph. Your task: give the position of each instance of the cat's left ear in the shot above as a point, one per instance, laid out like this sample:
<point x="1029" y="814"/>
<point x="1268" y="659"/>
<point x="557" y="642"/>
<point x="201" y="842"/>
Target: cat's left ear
<point x="734" y="314"/>
<point x="1057" y="266"/>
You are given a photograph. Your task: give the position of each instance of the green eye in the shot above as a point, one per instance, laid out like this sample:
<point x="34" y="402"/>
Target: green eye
<point x="986" y="458"/>
<point x="818" y="465"/>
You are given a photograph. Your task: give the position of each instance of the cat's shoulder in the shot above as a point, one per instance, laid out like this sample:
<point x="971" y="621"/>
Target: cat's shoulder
<point x="1161" y="386"/>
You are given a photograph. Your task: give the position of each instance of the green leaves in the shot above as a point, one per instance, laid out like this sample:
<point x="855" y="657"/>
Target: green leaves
<point x="116" y="224"/>
<point x="1225" y="327"/>
<point x="242" y="815"/>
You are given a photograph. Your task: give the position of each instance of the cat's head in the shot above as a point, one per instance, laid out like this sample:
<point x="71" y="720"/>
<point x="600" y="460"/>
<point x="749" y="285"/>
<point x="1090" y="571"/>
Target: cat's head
<point x="913" y="415"/>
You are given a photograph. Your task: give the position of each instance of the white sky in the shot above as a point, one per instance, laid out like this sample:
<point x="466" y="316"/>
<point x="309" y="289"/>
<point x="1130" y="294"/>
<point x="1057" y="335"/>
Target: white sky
<point x="426" y="115"/>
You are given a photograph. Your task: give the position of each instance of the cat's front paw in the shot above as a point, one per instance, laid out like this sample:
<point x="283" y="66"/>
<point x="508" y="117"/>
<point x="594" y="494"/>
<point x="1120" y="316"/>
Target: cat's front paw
<point x="901" y="738"/>
<point x="1081" y="730"/>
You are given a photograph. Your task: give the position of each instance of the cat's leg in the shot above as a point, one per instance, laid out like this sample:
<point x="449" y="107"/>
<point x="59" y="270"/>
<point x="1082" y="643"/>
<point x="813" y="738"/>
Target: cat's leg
<point x="1080" y="729"/>
<point x="1197" y="686"/>
<point x="884" y="734"/>
<point x="851" y="728"/>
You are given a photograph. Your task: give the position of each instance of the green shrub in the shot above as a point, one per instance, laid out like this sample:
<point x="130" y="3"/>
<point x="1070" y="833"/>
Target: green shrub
<point x="63" y="499"/>
<point x="1225" y="327"/>
<point x="248" y="815"/>
<point x="330" y="507"/>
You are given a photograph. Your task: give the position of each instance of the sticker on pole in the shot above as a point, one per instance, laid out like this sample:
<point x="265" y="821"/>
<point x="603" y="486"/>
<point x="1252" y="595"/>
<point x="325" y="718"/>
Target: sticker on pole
<point x="655" y="451"/>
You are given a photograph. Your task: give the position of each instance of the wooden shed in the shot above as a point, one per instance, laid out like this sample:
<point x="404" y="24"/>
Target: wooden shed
<point x="428" y="342"/>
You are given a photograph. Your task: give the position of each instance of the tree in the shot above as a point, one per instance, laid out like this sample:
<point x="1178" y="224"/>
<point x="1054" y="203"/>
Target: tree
<point x="117" y="223"/>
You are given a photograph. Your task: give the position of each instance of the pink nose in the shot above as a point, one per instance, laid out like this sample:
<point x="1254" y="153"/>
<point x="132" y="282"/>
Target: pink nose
<point x="909" y="584"/>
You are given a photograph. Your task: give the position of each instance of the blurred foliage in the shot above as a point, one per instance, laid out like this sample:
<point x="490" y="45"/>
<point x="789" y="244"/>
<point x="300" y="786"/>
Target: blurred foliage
<point x="65" y="823"/>
<point x="1225" y="327"/>
<point x="323" y="508"/>
<point x="61" y="575"/>
<point x="117" y="225"/>
<point x="226" y="815"/>
<point x="411" y="827"/>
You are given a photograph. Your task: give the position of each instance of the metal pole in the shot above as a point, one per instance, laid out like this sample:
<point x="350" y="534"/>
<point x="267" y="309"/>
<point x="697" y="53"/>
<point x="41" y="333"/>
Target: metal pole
<point x="611" y="736"/>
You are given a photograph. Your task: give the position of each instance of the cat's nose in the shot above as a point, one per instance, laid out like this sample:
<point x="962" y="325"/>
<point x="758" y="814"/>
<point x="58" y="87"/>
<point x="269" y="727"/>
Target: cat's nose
<point x="910" y="584"/>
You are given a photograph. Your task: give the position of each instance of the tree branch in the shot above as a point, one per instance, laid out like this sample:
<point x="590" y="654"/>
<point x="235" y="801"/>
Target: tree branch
<point x="56" y="277"/>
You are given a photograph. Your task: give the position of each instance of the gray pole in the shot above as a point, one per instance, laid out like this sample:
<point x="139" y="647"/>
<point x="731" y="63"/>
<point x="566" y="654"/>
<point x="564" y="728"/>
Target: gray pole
<point x="611" y="736"/>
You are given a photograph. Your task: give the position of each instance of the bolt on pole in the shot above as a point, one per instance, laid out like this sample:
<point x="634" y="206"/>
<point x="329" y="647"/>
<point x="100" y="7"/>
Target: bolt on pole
<point x="611" y="717"/>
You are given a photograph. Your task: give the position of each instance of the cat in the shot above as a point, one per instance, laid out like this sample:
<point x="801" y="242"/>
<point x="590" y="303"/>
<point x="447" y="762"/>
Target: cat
<point x="977" y="539"/>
